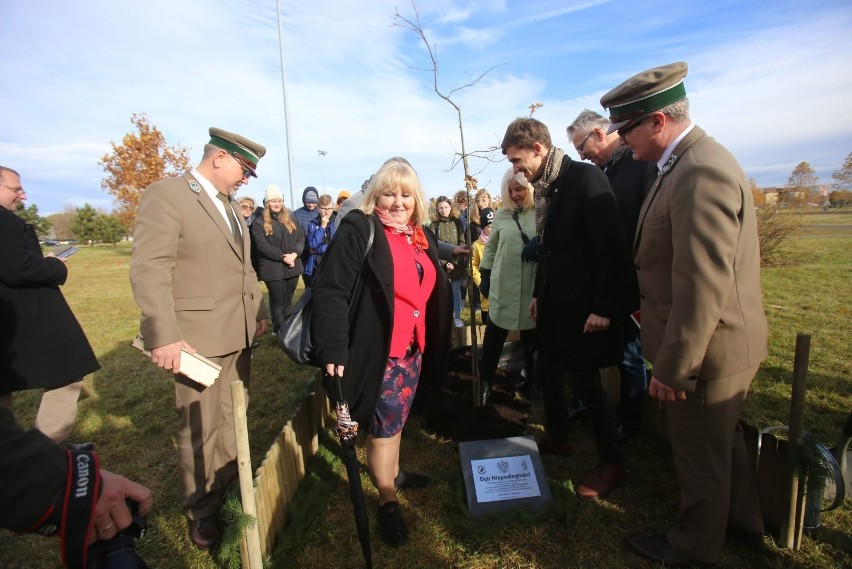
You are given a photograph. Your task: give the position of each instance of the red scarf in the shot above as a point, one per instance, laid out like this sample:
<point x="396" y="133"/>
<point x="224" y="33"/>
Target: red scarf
<point x="414" y="231"/>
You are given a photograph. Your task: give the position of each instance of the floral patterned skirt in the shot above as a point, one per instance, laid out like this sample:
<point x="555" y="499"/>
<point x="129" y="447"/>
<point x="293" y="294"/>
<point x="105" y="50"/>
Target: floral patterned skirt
<point x="396" y="394"/>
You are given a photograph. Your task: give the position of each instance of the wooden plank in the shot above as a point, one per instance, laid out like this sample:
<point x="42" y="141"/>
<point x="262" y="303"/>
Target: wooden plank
<point x="238" y="400"/>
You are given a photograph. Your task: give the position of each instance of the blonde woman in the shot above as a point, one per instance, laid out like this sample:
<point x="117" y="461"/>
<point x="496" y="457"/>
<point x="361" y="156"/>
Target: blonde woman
<point x="395" y="323"/>
<point x="279" y="241"/>
<point x="508" y="281"/>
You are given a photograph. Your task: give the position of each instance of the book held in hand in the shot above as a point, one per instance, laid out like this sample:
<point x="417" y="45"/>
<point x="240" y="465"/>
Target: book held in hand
<point x="194" y="366"/>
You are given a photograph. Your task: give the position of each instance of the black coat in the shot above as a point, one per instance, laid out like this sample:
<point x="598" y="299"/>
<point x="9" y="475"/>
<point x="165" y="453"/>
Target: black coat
<point x="630" y="180"/>
<point x="270" y="248"/>
<point x="584" y="262"/>
<point x="363" y="348"/>
<point x="41" y="342"/>
<point x="33" y="471"/>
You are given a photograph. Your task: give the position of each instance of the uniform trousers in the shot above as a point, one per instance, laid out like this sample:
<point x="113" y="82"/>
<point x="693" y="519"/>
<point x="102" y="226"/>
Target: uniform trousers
<point x="207" y="445"/>
<point x="715" y="476"/>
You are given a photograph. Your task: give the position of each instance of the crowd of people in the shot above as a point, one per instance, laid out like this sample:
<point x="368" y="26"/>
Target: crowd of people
<point x="643" y="255"/>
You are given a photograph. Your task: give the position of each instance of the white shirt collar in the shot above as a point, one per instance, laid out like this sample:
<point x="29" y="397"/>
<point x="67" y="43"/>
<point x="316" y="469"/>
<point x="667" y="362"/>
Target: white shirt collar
<point x="670" y="148"/>
<point x="213" y="192"/>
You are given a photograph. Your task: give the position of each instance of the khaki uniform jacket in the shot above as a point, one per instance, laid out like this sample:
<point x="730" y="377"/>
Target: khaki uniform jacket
<point x="698" y="263"/>
<point x="188" y="277"/>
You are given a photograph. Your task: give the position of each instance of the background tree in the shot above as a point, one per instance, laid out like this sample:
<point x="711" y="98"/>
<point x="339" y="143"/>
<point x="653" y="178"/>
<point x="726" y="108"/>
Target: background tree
<point x="110" y="229"/>
<point x="756" y="194"/>
<point x="840" y="198"/>
<point x="143" y="157"/>
<point x="62" y="223"/>
<point x="86" y="225"/>
<point x="799" y="185"/>
<point x="843" y="177"/>
<point x="41" y="224"/>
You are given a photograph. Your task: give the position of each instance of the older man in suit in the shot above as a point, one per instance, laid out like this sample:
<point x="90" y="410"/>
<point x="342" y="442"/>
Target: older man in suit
<point x="703" y="325"/>
<point x="192" y="278"/>
<point x="629" y="180"/>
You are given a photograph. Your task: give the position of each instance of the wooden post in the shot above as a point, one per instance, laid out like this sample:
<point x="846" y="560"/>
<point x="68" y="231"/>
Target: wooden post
<point x="791" y="532"/>
<point x="252" y="537"/>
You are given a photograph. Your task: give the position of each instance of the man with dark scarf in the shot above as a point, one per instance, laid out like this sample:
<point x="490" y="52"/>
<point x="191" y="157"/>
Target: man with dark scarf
<point x="577" y="303"/>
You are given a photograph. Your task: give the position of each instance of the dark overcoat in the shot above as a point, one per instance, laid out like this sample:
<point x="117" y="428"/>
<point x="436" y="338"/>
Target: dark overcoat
<point x="630" y="180"/>
<point x="363" y="346"/>
<point x="584" y="262"/>
<point x="41" y="342"/>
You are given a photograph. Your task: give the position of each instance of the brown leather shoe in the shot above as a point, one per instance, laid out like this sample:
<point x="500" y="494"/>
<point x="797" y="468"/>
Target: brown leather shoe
<point x="547" y="445"/>
<point x="601" y="481"/>
<point x="204" y="532"/>
<point x="659" y="550"/>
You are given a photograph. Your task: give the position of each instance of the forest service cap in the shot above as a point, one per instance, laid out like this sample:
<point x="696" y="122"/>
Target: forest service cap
<point x="244" y="150"/>
<point x="645" y="93"/>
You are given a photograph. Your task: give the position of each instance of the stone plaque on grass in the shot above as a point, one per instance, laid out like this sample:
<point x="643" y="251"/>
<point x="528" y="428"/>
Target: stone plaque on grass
<point x="503" y="474"/>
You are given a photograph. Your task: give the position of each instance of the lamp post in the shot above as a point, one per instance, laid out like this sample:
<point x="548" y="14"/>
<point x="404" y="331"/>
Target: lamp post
<point x="322" y="154"/>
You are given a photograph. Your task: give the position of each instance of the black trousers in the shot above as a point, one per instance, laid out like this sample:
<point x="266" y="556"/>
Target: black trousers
<point x="586" y="386"/>
<point x="492" y="347"/>
<point x="280" y="296"/>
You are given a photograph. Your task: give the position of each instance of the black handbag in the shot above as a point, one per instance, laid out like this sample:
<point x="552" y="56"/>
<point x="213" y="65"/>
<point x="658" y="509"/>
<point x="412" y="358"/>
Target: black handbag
<point x="294" y="336"/>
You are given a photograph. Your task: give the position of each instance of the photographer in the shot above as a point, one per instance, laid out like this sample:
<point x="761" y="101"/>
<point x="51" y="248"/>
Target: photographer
<point x="35" y="476"/>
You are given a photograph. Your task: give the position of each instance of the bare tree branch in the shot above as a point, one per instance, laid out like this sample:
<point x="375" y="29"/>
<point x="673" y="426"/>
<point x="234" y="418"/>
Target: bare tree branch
<point x="415" y="25"/>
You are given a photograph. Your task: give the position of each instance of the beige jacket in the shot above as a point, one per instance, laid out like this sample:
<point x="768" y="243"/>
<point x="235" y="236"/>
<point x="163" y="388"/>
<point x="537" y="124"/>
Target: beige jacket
<point x="188" y="277"/>
<point x="698" y="262"/>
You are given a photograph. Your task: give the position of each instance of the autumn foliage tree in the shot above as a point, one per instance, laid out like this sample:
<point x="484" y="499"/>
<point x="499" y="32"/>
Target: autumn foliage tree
<point x="143" y="157"/>
<point x="843" y="177"/>
<point x="799" y="184"/>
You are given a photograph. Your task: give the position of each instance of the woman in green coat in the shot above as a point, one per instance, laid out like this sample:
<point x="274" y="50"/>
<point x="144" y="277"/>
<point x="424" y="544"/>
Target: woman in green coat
<point x="508" y="280"/>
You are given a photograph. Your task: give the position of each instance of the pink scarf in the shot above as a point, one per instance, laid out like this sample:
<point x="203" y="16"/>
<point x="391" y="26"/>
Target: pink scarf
<point x="415" y="232"/>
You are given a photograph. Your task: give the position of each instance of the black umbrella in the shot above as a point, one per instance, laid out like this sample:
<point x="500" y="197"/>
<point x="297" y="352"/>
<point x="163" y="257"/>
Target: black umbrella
<point x="347" y="430"/>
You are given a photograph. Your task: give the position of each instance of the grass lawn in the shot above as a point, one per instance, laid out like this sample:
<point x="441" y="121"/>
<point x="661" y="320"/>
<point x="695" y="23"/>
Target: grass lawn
<point x="127" y="410"/>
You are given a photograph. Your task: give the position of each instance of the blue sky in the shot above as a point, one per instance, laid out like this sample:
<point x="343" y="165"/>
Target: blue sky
<point x="770" y="80"/>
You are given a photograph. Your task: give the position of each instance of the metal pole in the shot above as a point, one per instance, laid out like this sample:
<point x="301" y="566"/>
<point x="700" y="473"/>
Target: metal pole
<point x="286" y="114"/>
<point x="322" y="154"/>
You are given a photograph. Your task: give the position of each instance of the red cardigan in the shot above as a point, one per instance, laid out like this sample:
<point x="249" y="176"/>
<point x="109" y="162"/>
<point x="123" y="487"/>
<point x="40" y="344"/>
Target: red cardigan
<point x="410" y="294"/>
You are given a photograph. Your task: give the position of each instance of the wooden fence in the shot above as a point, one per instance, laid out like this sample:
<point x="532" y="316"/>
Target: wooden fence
<point x="283" y="468"/>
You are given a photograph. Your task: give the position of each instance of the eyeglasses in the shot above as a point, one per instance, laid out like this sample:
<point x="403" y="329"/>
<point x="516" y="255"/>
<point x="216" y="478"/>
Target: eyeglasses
<point x="19" y="190"/>
<point x="582" y="146"/>
<point x="622" y="132"/>
<point x="246" y="207"/>
<point x="326" y="209"/>
<point x="246" y="170"/>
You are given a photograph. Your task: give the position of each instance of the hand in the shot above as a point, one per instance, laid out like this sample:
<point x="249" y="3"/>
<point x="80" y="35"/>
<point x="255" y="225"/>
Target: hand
<point x="260" y="328"/>
<point x="168" y="356"/>
<point x="461" y="251"/>
<point x="111" y="513"/>
<point x="485" y="283"/>
<point x="289" y="259"/>
<point x="449" y="266"/>
<point x="63" y="259"/>
<point x="330" y="369"/>
<point x="533" y="309"/>
<point x="530" y="250"/>
<point x="659" y="390"/>
<point x="595" y="323"/>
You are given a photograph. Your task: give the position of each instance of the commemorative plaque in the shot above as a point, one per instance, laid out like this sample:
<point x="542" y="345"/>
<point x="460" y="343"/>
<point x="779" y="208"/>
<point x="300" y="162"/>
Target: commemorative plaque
<point x="503" y="474"/>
